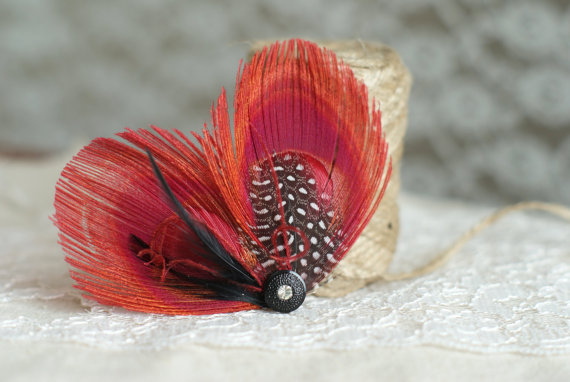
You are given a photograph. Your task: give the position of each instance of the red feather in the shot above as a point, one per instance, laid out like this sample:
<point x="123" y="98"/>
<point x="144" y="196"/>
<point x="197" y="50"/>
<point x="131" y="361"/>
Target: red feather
<point x="308" y="169"/>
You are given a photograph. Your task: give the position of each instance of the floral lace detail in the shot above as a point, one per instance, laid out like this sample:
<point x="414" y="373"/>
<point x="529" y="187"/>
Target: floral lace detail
<point x="507" y="291"/>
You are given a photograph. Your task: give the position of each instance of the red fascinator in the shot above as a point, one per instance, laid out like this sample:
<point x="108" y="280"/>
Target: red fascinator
<point x="156" y="221"/>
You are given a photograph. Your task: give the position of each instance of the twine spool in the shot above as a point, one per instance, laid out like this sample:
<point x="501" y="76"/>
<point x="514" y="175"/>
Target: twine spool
<point x="388" y="82"/>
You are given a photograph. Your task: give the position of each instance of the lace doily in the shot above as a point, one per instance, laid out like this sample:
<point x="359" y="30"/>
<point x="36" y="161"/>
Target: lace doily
<point x="507" y="291"/>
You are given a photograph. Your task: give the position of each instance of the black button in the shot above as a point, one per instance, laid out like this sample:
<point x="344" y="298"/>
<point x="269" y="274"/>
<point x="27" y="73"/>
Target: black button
<point x="284" y="291"/>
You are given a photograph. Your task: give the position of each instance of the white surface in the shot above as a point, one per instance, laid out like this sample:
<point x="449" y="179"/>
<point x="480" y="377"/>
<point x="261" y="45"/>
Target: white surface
<point x="506" y="292"/>
<point x="26" y="362"/>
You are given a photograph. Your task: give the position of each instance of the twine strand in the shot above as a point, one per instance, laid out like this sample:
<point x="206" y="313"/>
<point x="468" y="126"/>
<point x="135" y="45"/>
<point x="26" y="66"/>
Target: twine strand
<point x="446" y="255"/>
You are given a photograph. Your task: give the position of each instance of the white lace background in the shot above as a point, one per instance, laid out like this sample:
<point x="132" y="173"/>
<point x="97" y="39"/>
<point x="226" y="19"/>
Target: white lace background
<point x="490" y="106"/>
<point x="507" y="291"/>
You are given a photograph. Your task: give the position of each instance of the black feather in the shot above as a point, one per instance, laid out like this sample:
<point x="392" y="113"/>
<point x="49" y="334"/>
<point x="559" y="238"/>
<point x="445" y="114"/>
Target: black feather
<point x="222" y="257"/>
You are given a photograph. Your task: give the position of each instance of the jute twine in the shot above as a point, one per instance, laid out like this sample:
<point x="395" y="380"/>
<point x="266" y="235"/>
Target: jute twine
<point x="388" y="82"/>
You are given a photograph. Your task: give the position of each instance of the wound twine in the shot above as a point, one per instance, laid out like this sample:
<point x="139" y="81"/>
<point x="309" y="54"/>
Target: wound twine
<point x="389" y="82"/>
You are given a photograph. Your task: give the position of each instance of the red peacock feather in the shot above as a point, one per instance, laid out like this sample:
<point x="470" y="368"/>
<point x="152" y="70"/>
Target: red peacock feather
<point x="257" y="218"/>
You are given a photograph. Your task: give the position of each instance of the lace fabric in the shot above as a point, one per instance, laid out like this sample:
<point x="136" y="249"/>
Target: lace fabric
<point x="507" y="291"/>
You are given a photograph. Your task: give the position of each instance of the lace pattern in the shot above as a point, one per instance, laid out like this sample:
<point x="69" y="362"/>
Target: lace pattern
<point x="507" y="291"/>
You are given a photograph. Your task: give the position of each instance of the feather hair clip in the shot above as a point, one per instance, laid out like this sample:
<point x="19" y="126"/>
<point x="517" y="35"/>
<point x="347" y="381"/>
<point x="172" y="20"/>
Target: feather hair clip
<point x="232" y="221"/>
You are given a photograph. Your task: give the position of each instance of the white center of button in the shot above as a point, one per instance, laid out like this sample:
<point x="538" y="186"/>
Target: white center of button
<point x="285" y="292"/>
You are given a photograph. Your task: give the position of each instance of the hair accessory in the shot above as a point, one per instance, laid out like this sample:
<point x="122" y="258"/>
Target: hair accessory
<point x="232" y="221"/>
